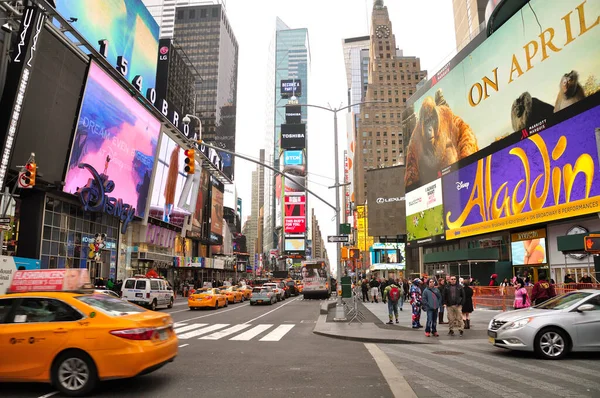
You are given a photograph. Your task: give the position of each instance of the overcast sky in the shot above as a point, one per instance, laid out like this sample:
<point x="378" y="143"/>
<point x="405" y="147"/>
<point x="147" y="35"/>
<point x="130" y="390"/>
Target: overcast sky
<point x="423" y="28"/>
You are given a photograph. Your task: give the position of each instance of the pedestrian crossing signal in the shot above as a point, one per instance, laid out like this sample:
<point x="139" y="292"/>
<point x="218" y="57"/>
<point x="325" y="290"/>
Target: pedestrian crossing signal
<point x="190" y="161"/>
<point x="592" y="244"/>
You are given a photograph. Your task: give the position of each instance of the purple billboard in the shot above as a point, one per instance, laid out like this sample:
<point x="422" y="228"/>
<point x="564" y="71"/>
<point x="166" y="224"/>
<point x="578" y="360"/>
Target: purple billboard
<point x="548" y="176"/>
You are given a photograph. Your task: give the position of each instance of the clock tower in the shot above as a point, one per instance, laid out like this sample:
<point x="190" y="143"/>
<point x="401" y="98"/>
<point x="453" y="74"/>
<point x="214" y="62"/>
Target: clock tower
<point x="392" y="79"/>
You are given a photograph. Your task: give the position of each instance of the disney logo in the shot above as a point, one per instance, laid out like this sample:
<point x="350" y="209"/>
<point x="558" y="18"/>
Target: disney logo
<point x="94" y="198"/>
<point x="388" y="200"/>
<point x="460" y="185"/>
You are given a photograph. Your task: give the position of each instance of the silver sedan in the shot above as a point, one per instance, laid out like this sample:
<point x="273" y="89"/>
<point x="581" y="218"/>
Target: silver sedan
<point x="565" y="323"/>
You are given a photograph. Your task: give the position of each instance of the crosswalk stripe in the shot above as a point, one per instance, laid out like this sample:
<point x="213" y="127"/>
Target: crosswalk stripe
<point x="178" y="324"/>
<point x="225" y="332"/>
<point x="250" y="334"/>
<point x="189" y="327"/>
<point x="198" y="332"/>
<point x="278" y="333"/>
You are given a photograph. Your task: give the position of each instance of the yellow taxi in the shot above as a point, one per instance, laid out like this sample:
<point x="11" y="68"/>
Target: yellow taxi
<point x="299" y="286"/>
<point x="73" y="339"/>
<point x="207" y="298"/>
<point x="233" y="294"/>
<point x="246" y="291"/>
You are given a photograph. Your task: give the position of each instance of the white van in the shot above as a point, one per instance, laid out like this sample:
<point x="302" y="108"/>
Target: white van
<point x="148" y="292"/>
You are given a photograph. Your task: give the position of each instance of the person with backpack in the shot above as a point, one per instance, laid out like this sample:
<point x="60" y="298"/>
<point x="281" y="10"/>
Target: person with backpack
<point x="431" y="302"/>
<point x="392" y="295"/>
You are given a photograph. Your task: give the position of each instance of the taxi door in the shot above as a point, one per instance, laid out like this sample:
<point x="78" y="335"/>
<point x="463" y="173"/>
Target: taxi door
<point x="39" y="329"/>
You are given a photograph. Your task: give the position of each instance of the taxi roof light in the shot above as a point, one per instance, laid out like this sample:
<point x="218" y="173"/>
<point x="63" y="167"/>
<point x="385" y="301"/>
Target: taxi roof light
<point x="135" y="334"/>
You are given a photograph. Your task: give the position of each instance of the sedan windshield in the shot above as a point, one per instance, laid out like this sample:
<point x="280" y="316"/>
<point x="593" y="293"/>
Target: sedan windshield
<point x="109" y="305"/>
<point x="563" y="301"/>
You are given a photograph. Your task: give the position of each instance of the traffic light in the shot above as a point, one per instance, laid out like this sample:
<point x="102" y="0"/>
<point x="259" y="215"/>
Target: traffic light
<point x="345" y="253"/>
<point x="27" y="175"/>
<point x="592" y="243"/>
<point x="190" y="161"/>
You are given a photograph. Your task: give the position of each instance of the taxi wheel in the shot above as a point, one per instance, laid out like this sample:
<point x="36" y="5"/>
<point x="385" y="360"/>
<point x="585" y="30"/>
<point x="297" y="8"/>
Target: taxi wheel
<point x="153" y="305"/>
<point x="74" y="374"/>
<point x="216" y="305"/>
<point x="170" y="303"/>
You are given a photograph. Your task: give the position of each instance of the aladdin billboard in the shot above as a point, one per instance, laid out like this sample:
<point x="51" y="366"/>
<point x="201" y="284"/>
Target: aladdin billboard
<point x="552" y="175"/>
<point x="541" y="61"/>
<point x="425" y="214"/>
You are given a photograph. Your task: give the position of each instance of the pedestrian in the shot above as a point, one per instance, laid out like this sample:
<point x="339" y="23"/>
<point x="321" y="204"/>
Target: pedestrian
<point x="392" y="294"/>
<point x="505" y="284"/>
<point x="453" y="300"/>
<point x="431" y="301"/>
<point x="493" y="282"/>
<point x="521" y="296"/>
<point x="374" y="284"/>
<point x="415" y="303"/>
<point x="400" y="283"/>
<point x="542" y="290"/>
<point x="406" y="286"/>
<point x="467" y="306"/>
<point x="364" y="287"/>
<point x="441" y="287"/>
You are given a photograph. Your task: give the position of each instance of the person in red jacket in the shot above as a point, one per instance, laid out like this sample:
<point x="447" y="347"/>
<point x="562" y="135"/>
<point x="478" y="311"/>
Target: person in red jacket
<point x="542" y="290"/>
<point x="493" y="281"/>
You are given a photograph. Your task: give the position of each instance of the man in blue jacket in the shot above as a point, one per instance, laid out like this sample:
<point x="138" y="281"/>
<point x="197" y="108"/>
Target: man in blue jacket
<point x="431" y="302"/>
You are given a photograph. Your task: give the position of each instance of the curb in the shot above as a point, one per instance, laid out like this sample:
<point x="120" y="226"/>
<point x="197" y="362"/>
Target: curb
<point x="325" y="307"/>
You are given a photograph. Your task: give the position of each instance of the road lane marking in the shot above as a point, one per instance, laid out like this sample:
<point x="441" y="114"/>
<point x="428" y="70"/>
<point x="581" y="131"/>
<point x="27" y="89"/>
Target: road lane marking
<point x="267" y="313"/>
<point x="183" y="345"/>
<point x="49" y="395"/>
<point x="278" y="333"/>
<point x="215" y="313"/>
<point x="398" y="385"/>
<point x="198" y="332"/>
<point x="178" y="311"/>
<point x="225" y="332"/>
<point x="250" y="334"/>
<point x="179" y="324"/>
<point x="189" y="327"/>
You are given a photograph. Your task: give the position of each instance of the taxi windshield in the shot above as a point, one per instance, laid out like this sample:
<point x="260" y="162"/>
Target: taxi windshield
<point x="109" y="305"/>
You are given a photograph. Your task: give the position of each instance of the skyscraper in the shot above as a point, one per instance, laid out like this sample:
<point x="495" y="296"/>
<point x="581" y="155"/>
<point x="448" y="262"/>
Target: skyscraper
<point x="204" y="32"/>
<point x="291" y="61"/>
<point x="469" y="18"/>
<point x="393" y="78"/>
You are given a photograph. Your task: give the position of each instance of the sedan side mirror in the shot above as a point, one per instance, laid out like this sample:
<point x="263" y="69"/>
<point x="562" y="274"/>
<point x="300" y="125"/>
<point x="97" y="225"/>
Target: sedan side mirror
<point x="586" y="307"/>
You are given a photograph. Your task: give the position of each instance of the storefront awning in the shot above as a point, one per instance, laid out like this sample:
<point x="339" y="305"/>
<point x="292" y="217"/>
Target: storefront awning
<point x="572" y="243"/>
<point x="487" y="254"/>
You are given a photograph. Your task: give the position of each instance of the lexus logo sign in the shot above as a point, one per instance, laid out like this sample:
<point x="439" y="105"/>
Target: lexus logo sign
<point x="380" y="201"/>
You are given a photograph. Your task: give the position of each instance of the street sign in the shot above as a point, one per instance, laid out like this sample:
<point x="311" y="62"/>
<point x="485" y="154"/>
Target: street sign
<point x="4" y="220"/>
<point x="338" y="239"/>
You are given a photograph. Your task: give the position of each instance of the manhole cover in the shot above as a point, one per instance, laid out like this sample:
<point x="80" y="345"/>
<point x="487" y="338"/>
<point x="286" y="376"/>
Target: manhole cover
<point x="447" y="353"/>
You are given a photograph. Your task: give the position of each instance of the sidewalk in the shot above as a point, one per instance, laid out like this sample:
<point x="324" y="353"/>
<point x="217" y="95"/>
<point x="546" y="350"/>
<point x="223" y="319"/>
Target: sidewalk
<point x="374" y="330"/>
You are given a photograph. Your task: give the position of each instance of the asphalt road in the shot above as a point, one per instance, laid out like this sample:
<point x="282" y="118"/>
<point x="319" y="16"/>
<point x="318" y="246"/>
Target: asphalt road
<point x="277" y="355"/>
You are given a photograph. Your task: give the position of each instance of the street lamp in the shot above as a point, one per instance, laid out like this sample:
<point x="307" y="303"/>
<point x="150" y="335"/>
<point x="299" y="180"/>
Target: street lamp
<point x="337" y="180"/>
<point x="187" y="119"/>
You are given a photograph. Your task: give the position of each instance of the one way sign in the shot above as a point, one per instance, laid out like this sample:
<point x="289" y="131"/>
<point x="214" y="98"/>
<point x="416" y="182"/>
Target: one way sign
<point x="338" y="239"/>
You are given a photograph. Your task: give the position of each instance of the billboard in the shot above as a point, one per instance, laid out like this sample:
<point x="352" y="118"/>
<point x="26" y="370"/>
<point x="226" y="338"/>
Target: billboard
<point x="278" y="201"/>
<point x="425" y="214"/>
<point x="216" y="213"/>
<point x="295" y="214"/>
<point x="121" y="30"/>
<point x="293" y="114"/>
<point x="174" y="193"/>
<point x="117" y="136"/>
<point x="553" y="175"/>
<point x="542" y="60"/>
<point x="363" y="240"/>
<point x="294" y="245"/>
<point x="385" y="196"/>
<point x="290" y="87"/>
<point x="293" y="136"/>
<point x="293" y="158"/>
<point x="529" y="248"/>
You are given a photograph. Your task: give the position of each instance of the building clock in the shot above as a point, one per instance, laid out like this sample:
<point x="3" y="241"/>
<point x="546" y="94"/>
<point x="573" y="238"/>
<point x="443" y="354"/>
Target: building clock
<point x="382" y="31"/>
<point x="577" y="230"/>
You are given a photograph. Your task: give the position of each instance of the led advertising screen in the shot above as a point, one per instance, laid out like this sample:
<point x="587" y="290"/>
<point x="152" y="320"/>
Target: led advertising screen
<point x="293" y="136"/>
<point x="128" y="28"/>
<point x="425" y="214"/>
<point x="295" y="167"/>
<point x="293" y="114"/>
<point x="542" y="60"/>
<point x="216" y="214"/>
<point x="295" y="214"/>
<point x="278" y="201"/>
<point x="293" y="158"/>
<point x="118" y="137"/>
<point x="529" y="248"/>
<point x="386" y="199"/>
<point x="294" y="245"/>
<point x="290" y="87"/>
<point x="552" y="175"/>
<point x="174" y="193"/>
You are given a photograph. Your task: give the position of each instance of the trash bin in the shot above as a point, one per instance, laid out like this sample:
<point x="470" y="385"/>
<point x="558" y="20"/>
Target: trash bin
<point x="346" y="287"/>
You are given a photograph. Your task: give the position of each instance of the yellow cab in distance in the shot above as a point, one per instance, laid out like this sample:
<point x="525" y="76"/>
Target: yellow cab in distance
<point x="299" y="286"/>
<point x="246" y="291"/>
<point x="207" y="297"/>
<point x="233" y="295"/>
<point x="73" y="339"/>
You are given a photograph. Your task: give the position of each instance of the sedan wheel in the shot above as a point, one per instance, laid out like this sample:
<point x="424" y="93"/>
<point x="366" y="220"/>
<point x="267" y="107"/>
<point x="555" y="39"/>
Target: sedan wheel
<point x="74" y="374"/>
<point x="552" y="344"/>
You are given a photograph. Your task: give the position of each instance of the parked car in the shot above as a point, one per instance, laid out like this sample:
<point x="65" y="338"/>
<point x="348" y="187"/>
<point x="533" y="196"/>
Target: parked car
<point x="277" y="289"/>
<point x="565" y="323"/>
<point x="263" y="295"/>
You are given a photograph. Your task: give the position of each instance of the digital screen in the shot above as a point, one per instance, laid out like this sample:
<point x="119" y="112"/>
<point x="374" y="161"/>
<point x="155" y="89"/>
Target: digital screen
<point x="425" y="213"/>
<point x="295" y="245"/>
<point x="290" y="87"/>
<point x="293" y="158"/>
<point x="295" y="214"/>
<point x="293" y="136"/>
<point x="529" y="252"/>
<point x="216" y="218"/>
<point x="118" y="137"/>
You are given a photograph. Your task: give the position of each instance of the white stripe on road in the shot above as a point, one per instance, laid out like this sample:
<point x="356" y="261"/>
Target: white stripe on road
<point x="189" y="327"/>
<point x="400" y="388"/>
<point x="198" y="332"/>
<point x="250" y="334"/>
<point x="225" y="332"/>
<point x="178" y="324"/>
<point x="183" y="345"/>
<point x="278" y="333"/>
<point x="267" y="313"/>
<point x="219" y="312"/>
<point x="49" y="395"/>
